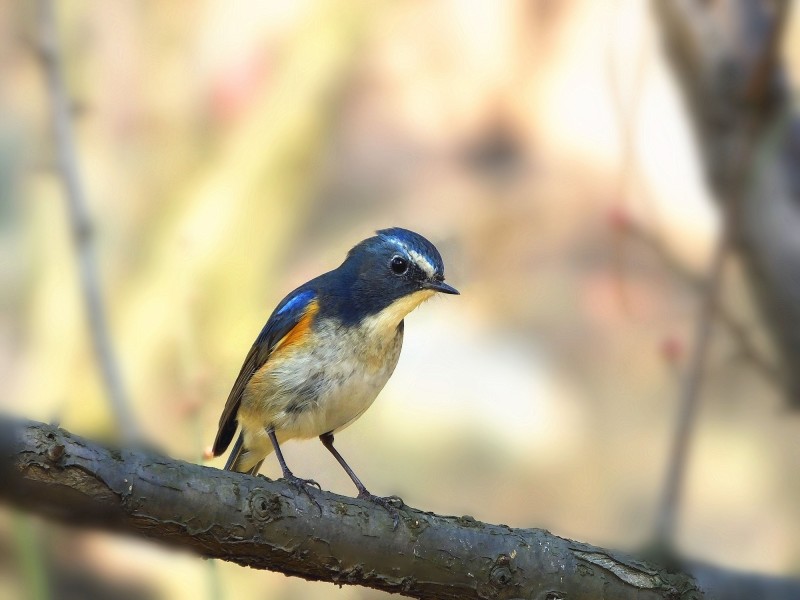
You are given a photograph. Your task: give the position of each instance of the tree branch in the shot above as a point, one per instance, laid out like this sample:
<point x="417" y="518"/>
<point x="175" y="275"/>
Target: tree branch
<point x="690" y="396"/>
<point x="725" y="57"/>
<point x="80" y="220"/>
<point x="739" y="332"/>
<point x="266" y="524"/>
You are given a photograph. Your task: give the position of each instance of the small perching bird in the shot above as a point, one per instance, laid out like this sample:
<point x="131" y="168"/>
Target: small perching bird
<point x="327" y="351"/>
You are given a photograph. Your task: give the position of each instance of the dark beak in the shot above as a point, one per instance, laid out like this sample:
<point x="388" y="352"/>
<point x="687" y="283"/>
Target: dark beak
<point x="439" y="286"/>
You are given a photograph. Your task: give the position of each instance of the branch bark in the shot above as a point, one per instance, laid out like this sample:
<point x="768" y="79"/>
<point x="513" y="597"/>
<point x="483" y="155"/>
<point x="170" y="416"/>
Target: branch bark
<point x="266" y="524"/>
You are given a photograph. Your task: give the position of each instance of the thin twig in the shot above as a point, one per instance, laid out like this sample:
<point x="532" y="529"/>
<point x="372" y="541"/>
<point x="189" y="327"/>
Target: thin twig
<point x="80" y="221"/>
<point x="690" y="395"/>
<point x="627" y="115"/>
<point x="738" y="331"/>
<point x="758" y="88"/>
<point x="742" y="168"/>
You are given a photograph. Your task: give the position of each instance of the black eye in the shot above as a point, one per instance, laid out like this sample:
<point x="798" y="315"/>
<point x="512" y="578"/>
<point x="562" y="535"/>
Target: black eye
<point x="399" y="265"/>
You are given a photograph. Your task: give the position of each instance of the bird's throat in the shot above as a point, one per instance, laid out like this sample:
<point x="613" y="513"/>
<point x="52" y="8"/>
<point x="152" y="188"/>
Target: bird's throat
<point x="385" y="322"/>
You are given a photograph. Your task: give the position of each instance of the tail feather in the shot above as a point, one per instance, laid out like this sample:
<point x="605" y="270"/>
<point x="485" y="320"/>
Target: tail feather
<point x="241" y="460"/>
<point x="236" y="452"/>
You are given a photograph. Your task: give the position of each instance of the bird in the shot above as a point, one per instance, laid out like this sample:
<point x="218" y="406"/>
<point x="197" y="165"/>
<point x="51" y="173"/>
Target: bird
<point x="326" y="352"/>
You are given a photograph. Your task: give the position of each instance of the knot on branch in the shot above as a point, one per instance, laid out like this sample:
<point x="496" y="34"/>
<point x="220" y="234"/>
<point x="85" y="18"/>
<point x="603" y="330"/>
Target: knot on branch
<point x="264" y="507"/>
<point x="501" y="576"/>
<point x="55" y="451"/>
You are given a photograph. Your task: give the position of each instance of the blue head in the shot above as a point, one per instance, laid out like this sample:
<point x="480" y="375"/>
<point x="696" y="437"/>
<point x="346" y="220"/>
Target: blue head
<point x="396" y="269"/>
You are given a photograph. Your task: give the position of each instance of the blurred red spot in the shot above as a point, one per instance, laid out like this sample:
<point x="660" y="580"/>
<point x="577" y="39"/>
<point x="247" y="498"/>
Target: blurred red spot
<point x="672" y="349"/>
<point x="233" y="89"/>
<point x="187" y="406"/>
<point x="619" y="219"/>
<point x="208" y="453"/>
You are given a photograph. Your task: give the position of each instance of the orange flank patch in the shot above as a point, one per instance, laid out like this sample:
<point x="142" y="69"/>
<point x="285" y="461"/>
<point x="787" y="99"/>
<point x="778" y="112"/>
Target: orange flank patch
<point x="299" y="332"/>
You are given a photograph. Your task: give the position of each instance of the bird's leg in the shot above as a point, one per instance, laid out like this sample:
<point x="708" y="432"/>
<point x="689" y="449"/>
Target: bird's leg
<point x="390" y="504"/>
<point x="297" y="482"/>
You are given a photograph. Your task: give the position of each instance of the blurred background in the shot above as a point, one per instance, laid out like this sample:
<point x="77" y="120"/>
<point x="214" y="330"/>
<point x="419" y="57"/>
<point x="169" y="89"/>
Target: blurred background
<point x="233" y="150"/>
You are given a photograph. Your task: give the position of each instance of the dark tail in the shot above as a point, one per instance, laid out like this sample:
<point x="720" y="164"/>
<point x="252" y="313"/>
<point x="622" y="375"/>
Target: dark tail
<point x="237" y="460"/>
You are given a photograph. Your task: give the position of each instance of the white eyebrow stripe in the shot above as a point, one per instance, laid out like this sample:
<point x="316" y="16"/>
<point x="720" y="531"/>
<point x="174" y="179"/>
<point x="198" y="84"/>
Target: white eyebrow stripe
<point x="419" y="259"/>
<point x="422" y="262"/>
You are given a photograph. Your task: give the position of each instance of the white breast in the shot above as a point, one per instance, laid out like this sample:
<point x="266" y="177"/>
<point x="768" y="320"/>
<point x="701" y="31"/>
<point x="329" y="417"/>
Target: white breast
<point x="330" y="386"/>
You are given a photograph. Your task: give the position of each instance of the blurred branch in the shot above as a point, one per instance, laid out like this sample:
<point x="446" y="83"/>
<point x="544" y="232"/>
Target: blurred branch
<point x="690" y="395"/>
<point x="31" y="558"/>
<point x="80" y="221"/>
<point x="265" y="524"/>
<point x="726" y="60"/>
<point x="738" y="331"/>
<point x="626" y="111"/>
<point x="248" y="198"/>
<point x="725" y="57"/>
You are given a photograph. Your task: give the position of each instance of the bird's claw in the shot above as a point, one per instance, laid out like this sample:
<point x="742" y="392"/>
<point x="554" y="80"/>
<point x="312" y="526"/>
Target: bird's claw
<point x="390" y="504"/>
<point x="302" y="485"/>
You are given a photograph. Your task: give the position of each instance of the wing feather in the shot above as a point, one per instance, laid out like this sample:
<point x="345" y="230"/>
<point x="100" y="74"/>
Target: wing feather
<point x="280" y="324"/>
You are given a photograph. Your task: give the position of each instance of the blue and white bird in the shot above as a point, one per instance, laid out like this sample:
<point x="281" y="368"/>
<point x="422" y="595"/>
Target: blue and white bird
<point x="327" y="351"/>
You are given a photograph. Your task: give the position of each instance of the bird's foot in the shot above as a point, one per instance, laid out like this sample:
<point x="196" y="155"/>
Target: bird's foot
<point x="302" y="486"/>
<point x="390" y="504"/>
<point x="300" y="483"/>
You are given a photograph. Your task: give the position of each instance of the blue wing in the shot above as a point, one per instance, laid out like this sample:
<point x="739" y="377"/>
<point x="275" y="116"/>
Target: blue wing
<point x="286" y="316"/>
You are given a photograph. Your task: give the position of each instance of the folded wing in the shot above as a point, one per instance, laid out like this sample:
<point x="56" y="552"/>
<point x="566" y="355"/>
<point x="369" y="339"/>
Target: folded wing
<point x="289" y="313"/>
